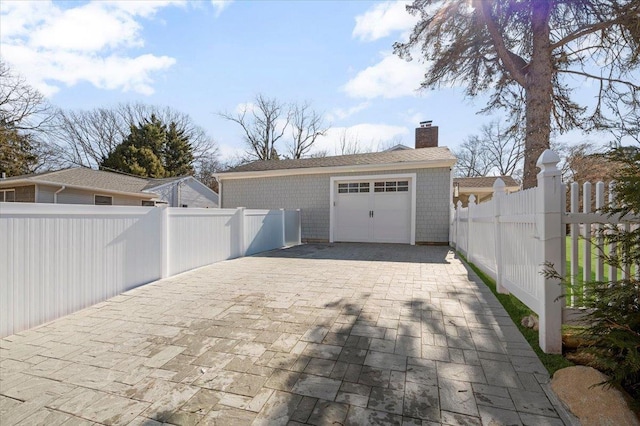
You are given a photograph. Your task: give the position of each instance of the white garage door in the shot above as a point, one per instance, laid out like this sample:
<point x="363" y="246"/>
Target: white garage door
<point x="373" y="211"/>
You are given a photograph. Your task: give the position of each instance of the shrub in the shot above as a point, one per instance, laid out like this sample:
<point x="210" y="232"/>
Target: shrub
<point x="615" y="317"/>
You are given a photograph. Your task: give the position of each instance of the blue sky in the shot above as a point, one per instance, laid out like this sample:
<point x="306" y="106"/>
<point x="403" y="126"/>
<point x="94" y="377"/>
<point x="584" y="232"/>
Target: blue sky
<point x="207" y="57"/>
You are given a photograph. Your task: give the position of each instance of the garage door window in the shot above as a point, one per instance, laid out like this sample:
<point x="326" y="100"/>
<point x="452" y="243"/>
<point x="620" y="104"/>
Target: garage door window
<point x="354" y="187"/>
<point x="391" y="186"/>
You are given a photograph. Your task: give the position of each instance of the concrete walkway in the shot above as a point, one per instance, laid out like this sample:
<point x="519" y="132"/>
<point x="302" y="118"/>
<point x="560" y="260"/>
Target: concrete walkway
<point x="353" y="334"/>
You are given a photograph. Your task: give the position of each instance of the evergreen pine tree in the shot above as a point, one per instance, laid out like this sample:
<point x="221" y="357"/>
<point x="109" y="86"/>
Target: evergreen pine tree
<point x="154" y="150"/>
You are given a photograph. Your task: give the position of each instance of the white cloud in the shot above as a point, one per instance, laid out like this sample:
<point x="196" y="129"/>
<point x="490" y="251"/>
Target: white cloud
<point x="53" y="46"/>
<point x="88" y="28"/>
<point x="384" y="19"/>
<point x="368" y="136"/>
<point x="231" y="154"/>
<point x="342" y="113"/>
<point x="392" y="77"/>
<point x="413" y="117"/>
<point x="143" y="8"/>
<point x="110" y="73"/>
<point x="220" y="5"/>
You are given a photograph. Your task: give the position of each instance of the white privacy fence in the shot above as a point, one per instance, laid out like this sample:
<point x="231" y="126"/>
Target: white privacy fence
<point x="58" y="258"/>
<point x="512" y="236"/>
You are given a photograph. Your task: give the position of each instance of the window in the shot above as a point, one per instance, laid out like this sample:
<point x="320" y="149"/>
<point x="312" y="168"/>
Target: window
<point x="102" y="200"/>
<point x="8" y="195"/>
<point x="354" y="187"/>
<point x="391" y="186"/>
<point x="148" y="203"/>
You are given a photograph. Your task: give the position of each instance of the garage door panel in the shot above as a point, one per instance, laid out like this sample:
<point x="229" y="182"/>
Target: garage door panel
<point x="352" y="217"/>
<point x="374" y="211"/>
<point x="392" y="217"/>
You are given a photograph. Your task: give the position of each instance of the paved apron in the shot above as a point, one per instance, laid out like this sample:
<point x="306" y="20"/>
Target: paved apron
<point x="353" y="334"/>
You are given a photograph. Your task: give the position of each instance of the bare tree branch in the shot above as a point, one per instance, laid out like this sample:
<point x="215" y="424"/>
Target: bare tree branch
<point x="264" y="124"/>
<point x="21" y="106"/>
<point x="306" y="127"/>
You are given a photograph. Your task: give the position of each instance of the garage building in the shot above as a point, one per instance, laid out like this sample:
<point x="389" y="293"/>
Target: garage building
<point x="398" y="196"/>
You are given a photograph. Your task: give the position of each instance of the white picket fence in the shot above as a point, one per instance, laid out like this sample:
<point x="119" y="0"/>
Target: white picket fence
<point x="512" y="236"/>
<point x="56" y="259"/>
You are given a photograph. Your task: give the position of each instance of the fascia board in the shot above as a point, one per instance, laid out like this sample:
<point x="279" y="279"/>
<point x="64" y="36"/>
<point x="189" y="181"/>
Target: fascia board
<point x="338" y="169"/>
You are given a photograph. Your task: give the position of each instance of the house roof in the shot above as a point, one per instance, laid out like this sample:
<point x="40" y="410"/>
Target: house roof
<point x="86" y="178"/>
<point x="425" y="157"/>
<point x="485" y="182"/>
<point x="155" y="183"/>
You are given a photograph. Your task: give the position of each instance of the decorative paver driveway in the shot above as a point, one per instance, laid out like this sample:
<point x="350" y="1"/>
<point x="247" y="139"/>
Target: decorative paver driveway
<point x="353" y="334"/>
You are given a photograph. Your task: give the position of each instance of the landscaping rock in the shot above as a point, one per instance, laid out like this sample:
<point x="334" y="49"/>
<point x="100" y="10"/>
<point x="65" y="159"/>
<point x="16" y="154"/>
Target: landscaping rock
<point x="593" y="405"/>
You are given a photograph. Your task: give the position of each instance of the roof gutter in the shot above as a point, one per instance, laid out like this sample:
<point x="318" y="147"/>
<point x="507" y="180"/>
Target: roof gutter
<point x="146" y="195"/>
<point x="55" y="194"/>
<point x="336" y="169"/>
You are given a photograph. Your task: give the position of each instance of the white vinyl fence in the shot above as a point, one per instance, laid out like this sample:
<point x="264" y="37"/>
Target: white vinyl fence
<point x="512" y="236"/>
<point x="58" y="258"/>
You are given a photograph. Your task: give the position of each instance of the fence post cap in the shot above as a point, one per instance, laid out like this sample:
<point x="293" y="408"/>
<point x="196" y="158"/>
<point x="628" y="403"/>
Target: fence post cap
<point x="499" y="186"/>
<point x="547" y="160"/>
<point x="472" y="199"/>
<point x="459" y="204"/>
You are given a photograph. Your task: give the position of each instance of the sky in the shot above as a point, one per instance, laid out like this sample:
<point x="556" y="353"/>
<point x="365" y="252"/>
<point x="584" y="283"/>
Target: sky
<point x="204" y="58"/>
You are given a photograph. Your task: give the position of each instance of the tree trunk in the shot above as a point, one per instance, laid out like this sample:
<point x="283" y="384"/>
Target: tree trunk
<point x="538" y="93"/>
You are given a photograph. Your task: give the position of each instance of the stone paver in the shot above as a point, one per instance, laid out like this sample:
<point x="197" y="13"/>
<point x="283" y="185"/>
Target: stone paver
<point x="353" y="334"/>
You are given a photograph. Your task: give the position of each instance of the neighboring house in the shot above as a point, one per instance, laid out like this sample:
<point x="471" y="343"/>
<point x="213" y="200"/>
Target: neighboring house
<point x="481" y="187"/>
<point x="183" y="191"/>
<point x="401" y="196"/>
<point x="88" y="186"/>
<point x="398" y="147"/>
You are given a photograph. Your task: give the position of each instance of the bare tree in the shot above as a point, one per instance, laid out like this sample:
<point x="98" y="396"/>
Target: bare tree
<point x="504" y="148"/>
<point x="87" y="137"/>
<point x="586" y="162"/>
<point x="495" y="151"/>
<point x="350" y="144"/>
<point x="473" y="160"/>
<point x="22" y="107"/>
<point x="264" y="124"/>
<point x="306" y="127"/>
<point x="319" y="154"/>
<point x="206" y="166"/>
<point x="25" y="118"/>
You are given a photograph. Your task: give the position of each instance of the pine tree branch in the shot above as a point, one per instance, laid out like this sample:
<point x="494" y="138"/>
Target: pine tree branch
<point x="584" y="32"/>
<point x="513" y="63"/>
<point x="596" y="77"/>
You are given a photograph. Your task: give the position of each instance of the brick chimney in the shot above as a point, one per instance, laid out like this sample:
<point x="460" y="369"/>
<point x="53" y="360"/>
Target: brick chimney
<point x="426" y="135"/>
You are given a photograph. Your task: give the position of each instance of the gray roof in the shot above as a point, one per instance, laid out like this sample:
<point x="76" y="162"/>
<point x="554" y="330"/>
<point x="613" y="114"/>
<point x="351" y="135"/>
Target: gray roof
<point x="88" y="178"/>
<point x="484" y="181"/>
<point x="373" y="158"/>
<point x="154" y="183"/>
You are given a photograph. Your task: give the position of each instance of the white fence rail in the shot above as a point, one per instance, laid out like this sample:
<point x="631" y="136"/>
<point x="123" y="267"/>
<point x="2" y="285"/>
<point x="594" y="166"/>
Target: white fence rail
<point x="58" y="258"/>
<point x="512" y="236"/>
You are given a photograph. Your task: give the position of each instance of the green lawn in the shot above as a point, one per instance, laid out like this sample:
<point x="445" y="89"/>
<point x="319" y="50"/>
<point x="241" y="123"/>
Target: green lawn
<point x="518" y="310"/>
<point x="579" y="281"/>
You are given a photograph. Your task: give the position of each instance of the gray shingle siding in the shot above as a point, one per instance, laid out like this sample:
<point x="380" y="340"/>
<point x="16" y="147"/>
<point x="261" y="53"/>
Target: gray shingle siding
<point x="311" y="193"/>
